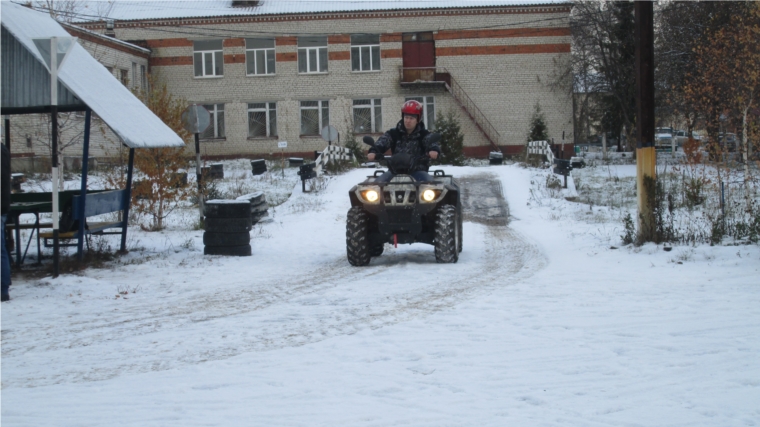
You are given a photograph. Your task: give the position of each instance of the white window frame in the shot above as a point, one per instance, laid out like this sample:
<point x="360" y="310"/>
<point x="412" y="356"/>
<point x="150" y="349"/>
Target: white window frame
<point x="305" y="56"/>
<point x="427" y="101"/>
<point x="205" y="55"/>
<point x="268" y="109"/>
<point x="216" y="110"/>
<point x="268" y="51"/>
<point x="357" y="53"/>
<point x="143" y="78"/>
<point x="323" y="107"/>
<point x="124" y="76"/>
<point x="375" y="109"/>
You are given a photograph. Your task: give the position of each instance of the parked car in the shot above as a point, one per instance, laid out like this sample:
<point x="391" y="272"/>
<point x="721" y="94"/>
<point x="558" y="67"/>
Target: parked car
<point x="681" y="137"/>
<point x="664" y="141"/>
<point x="727" y="141"/>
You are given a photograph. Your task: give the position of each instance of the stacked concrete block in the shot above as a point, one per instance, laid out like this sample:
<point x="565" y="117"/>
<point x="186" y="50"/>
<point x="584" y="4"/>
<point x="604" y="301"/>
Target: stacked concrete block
<point x="258" y="166"/>
<point x="228" y="223"/>
<point x="258" y="204"/>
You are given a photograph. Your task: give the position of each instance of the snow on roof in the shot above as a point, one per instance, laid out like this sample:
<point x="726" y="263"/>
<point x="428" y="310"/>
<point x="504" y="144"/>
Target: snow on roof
<point x="129" y="118"/>
<point x="106" y="38"/>
<point x="161" y="9"/>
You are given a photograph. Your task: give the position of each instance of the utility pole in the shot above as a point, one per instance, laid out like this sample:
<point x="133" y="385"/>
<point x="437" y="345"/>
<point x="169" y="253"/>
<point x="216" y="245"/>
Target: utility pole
<point x="646" y="156"/>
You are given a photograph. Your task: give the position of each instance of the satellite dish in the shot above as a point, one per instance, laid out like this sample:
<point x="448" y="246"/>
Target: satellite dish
<point x="196" y="118"/>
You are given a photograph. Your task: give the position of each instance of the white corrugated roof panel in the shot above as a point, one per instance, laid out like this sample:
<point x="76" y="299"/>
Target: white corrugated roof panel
<point x="161" y="9"/>
<point x="129" y="118"/>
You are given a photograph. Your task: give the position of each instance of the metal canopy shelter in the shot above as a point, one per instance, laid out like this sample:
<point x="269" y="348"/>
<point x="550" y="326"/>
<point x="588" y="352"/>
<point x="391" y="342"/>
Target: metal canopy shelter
<point x="83" y="84"/>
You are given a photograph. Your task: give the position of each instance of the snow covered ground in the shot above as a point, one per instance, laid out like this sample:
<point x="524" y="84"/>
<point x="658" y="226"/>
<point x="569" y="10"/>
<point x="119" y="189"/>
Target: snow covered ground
<point x="545" y="321"/>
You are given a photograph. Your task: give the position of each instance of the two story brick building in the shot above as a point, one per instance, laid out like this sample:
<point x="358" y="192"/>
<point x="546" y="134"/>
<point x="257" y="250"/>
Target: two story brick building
<point x="271" y="71"/>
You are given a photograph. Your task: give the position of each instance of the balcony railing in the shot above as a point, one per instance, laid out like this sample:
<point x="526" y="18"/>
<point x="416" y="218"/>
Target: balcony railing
<point x="423" y="75"/>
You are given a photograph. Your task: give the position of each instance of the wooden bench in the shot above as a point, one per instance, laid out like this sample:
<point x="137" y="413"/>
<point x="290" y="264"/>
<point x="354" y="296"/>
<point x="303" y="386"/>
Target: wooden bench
<point x="96" y="203"/>
<point x="35" y="204"/>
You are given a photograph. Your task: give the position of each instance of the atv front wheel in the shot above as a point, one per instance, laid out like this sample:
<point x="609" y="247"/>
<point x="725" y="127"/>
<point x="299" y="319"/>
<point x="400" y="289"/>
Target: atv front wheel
<point x="459" y="228"/>
<point x="377" y="250"/>
<point x="357" y="244"/>
<point x="447" y="235"/>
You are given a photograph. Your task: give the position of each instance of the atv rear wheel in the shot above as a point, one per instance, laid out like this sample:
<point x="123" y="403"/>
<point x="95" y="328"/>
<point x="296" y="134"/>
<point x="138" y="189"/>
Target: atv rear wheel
<point x="447" y="235"/>
<point x="357" y="242"/>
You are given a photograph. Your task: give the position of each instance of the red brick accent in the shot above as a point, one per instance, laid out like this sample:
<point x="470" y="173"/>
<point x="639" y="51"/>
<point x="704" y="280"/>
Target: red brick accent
<point x="237" y="58"/>
<point x="286" y="57"/>
<point x="233" y="43"/>
<point x="503" y="50"/>
<point x="170" y="60"/>
<point x="338" y="56"/>
<point x="390" y="53"/>
<point x="339" y="38"/>
<point x="170" y="43"/>
<point x="513" y="32"/>
<point x="390" y="38"/>
<point x="286" y="41"/>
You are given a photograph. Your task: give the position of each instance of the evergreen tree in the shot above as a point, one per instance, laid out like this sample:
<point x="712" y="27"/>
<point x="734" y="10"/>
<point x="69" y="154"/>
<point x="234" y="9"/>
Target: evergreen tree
<point x="538" y="130"/>
<point x="452" y="139"/>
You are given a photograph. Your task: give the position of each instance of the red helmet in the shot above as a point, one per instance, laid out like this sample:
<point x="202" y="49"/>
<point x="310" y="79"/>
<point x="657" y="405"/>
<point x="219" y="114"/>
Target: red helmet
<point x="412" y="107"/>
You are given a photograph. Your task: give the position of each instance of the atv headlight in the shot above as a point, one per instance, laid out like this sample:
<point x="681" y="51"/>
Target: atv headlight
<point x="369" y="194"/>
<point x="428" y="195"/>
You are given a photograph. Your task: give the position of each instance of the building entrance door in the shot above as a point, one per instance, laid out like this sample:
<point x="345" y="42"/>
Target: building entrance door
<point x="418" y="56"/>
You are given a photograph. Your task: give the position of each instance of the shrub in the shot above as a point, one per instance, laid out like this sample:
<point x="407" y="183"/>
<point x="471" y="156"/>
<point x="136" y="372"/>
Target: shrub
<point x="537" y="130"/>
<point x="452" y="139"/>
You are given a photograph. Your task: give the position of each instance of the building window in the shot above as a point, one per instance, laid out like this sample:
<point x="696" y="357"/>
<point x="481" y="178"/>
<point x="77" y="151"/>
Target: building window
<point x="259" y="56"/>
<point x="365" y="52"/>
<point x="428" y="110"/>
<point x="368" y="116"/>
<point x="134" y="75"/>
<point x="262" y="120"/>
<point x="216" y="128"/>
<point x="143" y="78"/>
<point x="208" y="58"/>
<point x="312" y="54"/>
<point x="124" y="77"/>
<point x="314" y="116"/>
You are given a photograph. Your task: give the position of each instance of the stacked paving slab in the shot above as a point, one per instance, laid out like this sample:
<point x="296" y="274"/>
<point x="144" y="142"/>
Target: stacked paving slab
<point x="258" y="166"/>
<point x="258" y="203"/>
<point x="228" y="223"/>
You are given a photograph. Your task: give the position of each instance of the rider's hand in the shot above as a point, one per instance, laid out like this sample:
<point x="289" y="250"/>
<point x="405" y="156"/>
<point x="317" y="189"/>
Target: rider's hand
<point x="370" y="156"/>
<point x="433" y="155"/>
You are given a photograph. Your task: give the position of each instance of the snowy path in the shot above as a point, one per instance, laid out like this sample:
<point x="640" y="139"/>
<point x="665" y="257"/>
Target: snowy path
<point x="335" y="299"/>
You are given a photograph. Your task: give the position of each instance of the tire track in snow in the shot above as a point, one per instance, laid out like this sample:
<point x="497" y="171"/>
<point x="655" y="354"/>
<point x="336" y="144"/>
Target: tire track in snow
<point x="285" y="314"/>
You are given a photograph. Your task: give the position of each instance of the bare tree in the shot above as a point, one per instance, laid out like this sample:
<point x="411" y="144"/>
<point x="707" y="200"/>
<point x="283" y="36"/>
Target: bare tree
<point x="70" y="11"/>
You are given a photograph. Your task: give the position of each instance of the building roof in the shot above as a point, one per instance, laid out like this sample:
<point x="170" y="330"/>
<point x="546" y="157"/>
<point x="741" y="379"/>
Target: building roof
<point x="125" y="10"/>
<point x="104" y="39"/>
<point x="89" y="81"/>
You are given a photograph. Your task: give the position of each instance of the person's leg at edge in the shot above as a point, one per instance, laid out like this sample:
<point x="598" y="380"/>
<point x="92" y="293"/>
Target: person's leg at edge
<point x="6" y="263"/>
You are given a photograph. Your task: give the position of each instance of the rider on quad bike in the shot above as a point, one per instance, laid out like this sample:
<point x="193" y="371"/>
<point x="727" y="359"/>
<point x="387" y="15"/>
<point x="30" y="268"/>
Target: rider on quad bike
<point x="410" y="137"/>
<point x="405" y="205"/>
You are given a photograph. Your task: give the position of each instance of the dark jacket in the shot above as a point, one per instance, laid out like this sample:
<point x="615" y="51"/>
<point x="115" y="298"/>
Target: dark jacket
<point x="5" y="171"/>
<point x="398" y="140"/>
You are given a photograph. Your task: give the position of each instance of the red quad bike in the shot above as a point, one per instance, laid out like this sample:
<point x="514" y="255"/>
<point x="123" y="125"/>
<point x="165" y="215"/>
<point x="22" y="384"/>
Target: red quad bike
<point x="405" y="211"/>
